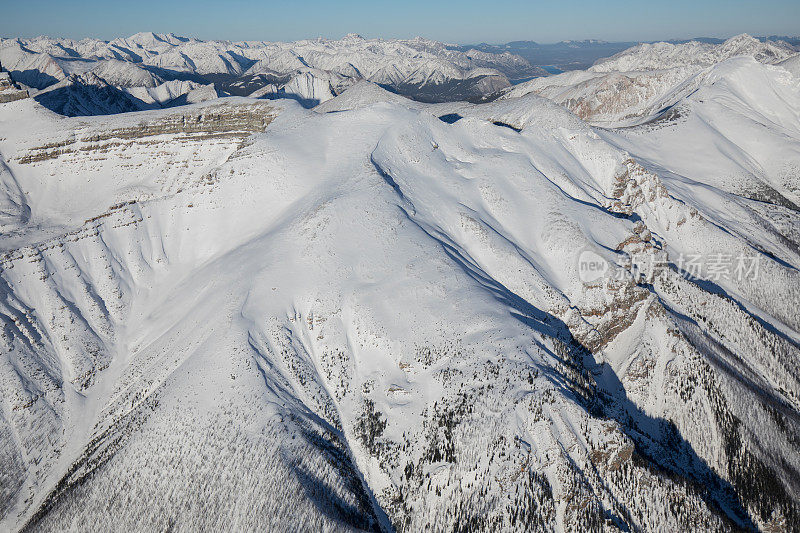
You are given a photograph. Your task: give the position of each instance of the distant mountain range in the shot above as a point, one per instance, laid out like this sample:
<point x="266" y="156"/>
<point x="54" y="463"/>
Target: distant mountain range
<point x="154" y="71"/>
<point x="310" y="71"/>
<point x="577" y="55"/>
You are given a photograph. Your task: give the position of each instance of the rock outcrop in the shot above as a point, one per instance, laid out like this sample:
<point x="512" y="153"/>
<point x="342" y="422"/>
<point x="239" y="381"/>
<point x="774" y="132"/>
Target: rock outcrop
<point x="10" y="91"/>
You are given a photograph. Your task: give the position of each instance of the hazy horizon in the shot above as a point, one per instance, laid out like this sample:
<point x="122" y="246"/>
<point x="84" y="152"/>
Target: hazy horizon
<point x="402" y="37"/>
<point x="456" y="22"/>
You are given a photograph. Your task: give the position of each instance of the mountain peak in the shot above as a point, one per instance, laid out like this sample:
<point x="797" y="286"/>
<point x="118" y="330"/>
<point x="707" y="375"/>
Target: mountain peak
<point x="149" y="38"/>
<point x="742" y="38"/>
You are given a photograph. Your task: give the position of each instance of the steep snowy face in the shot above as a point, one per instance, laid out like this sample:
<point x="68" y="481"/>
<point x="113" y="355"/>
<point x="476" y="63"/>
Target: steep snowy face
<point x="615" y="98"/>
<point x="792" y="65"/>
<point x="398" y="315"/>
<point x="310" y="87"/>
<point x="87" y="94"/>
<point x="436" y="71"/>
<point x="125" y="74"/>
<point x="362" y="94"/>
<point x="166" y="92"/>
<point x="738" y="131"/>
<point x="639" y="83"/>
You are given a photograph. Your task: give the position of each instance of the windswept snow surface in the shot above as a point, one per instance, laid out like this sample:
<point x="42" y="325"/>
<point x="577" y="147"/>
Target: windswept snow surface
<point x="792" y="65"/>
<point x="244" y="315"/>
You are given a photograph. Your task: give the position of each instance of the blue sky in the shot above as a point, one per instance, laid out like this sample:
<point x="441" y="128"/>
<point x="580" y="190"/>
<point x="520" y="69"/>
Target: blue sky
<point x="465" y="21"/>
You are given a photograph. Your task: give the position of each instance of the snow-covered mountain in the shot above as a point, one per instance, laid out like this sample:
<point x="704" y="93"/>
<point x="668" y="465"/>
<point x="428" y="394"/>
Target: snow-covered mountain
<point x="418" y="67"/>
<point x="647" y="79"/>
<point x="168" y="91"/>
<point x="309" y="87"/>
<point x="664" y="55"/>
<point x="383" y="314"/>
<point x="87" y="94"/>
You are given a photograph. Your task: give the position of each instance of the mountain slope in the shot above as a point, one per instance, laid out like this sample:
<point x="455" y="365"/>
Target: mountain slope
<point x="737" y="131"/>
<point x="392" y="328"/>
<point x="643" y="81"/>
<point x="663" y="55"/>
<point x="87" y="94"/>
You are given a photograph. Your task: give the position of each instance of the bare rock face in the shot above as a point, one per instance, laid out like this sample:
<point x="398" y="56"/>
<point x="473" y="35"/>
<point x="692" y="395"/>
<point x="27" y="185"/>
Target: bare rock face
<point x="10" y="91"/>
